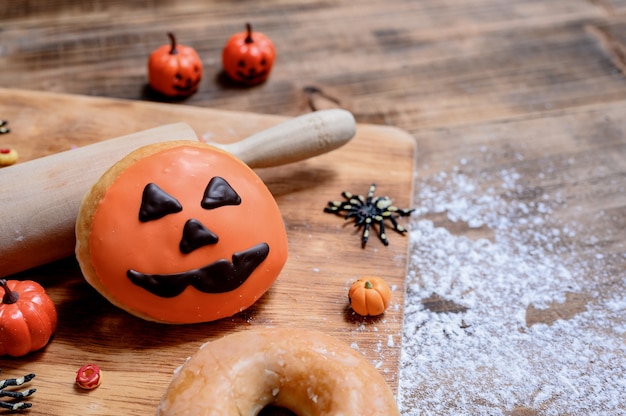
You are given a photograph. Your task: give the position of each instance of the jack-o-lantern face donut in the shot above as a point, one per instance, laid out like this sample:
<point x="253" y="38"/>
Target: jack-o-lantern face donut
<point x="180" y="232"/>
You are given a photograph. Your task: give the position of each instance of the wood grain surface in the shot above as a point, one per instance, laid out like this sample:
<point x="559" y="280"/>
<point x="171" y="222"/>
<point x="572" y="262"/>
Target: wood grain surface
<point x="481" y="85"/>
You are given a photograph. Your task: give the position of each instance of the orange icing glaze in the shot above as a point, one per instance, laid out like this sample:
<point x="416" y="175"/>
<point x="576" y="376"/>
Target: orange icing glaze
<point x="119" y="241"/>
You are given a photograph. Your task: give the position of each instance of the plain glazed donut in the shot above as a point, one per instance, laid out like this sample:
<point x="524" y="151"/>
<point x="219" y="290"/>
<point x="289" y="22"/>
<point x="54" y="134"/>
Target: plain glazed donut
<point x="180" y="232"/>
<point x="306" y="372"/>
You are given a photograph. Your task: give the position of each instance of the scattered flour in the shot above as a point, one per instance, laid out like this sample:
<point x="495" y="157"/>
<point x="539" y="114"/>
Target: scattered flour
<point x="484" y="359"/>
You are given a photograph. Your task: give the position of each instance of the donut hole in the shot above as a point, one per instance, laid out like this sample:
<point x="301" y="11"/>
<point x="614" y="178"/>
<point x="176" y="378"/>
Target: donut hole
<point x="272" y="410"/>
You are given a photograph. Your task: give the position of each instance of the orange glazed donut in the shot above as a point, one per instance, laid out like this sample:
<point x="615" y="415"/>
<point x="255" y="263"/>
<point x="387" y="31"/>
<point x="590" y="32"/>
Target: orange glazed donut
<point x="180" y="232"/>
<point x="306" y="372"/>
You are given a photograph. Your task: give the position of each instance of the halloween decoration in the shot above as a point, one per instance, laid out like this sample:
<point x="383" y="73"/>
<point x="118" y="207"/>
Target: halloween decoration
<point x="8" y="156"/>
<point x="369" y="296"/>
<point x="15" y="405"/>
<point x="248" y="57"/>
<point x="3" y="127"/>
<point x="88" y="377"/>
<point x="28" y="317"/>
<point x="180" y="232"/>
<point x="368" y="211"/>
<point x="304" y="371"/>
<point x="174" y="70"/>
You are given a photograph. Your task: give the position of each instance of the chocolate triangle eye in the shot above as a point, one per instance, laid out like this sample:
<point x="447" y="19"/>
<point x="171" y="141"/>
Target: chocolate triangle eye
<point x="156" y="203"/>
<point x="219" y="193"/>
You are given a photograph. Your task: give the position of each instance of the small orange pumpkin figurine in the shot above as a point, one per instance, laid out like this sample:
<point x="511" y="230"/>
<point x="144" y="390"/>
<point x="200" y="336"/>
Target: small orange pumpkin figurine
<point x="248" y="57"/>
<point x="28" y="317"/>
<point x="174" y="70"/>
<point x="369" y="296"/>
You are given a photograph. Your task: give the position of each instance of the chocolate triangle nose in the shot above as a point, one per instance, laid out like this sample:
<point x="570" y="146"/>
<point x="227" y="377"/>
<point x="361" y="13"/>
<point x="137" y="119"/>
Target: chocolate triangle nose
<point x="196" y="235"/>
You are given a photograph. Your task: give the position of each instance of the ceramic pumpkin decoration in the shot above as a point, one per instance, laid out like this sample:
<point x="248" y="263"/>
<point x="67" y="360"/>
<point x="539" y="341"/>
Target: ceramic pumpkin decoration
<point x="369" y="296"/>
<point x="248" y="57"/>
<point x="180" y="232"/>
<point x="174" y="70"/>
<point x="28" y="317"/>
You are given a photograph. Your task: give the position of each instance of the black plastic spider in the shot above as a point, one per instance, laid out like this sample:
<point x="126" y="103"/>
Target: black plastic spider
<point x="367" y="211"/>
<point x="16" y="395"/>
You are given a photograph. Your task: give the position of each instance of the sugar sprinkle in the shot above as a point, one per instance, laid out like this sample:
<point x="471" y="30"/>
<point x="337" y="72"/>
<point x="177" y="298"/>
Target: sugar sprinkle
<point x="485" y="357"/>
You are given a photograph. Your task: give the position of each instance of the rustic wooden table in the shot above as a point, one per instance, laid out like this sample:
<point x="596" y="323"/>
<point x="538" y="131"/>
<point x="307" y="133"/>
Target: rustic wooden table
<point x="517" y="258"/>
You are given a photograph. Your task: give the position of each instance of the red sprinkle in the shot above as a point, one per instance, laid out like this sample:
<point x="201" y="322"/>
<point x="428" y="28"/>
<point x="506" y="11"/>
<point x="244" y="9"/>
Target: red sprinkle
<point x="89" y="376"/>
<point x="5" y="151"/>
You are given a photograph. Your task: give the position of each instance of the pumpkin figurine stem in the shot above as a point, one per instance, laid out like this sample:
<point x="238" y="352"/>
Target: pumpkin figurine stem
<point x="173" y="50"/>
<point x="249" y="37"/>
<point x="10" y="296"/>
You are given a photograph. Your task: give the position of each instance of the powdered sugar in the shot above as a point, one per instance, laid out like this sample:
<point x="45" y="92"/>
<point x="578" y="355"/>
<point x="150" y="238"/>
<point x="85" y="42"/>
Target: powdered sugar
<point x="486" y="356"/>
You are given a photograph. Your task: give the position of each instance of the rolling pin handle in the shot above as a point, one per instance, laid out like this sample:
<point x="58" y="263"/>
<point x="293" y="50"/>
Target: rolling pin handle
<point x="297" y="139"/>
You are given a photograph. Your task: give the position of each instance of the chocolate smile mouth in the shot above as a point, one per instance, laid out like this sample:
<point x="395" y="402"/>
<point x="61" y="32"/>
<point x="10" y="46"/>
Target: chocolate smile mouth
<point x="218" y="277"/>
<point x="191" y="85"/>
<point x="252" y="75"/>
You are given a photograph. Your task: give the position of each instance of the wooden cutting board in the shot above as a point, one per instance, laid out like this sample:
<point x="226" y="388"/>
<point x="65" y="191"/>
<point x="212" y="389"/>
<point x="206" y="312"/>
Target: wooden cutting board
<point x="138" y="357"/>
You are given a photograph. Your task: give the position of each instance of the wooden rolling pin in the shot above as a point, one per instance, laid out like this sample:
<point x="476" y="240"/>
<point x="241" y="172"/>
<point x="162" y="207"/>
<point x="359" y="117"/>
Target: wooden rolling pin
<point x="39" y="199"/>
